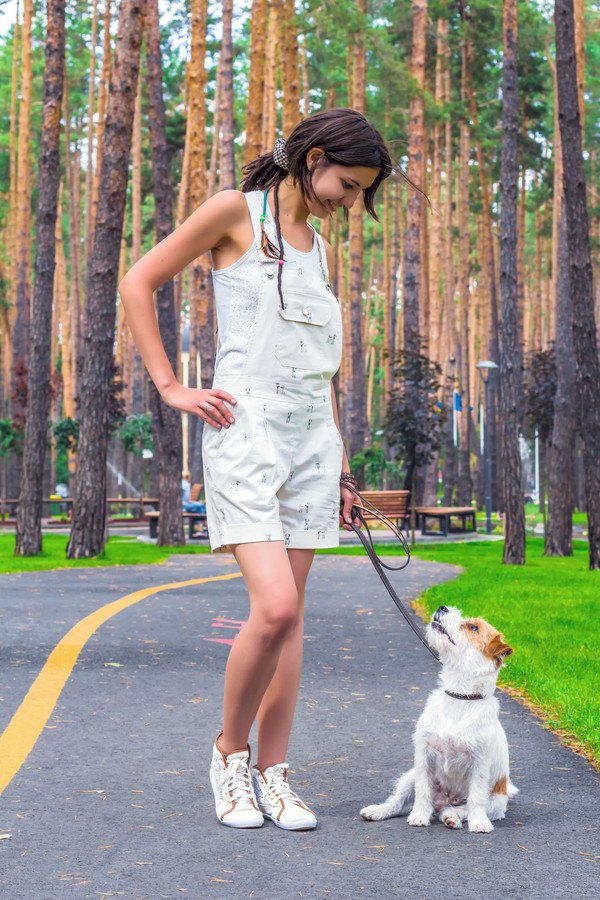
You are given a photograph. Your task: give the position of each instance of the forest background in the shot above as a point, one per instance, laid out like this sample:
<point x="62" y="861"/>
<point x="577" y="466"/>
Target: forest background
<point x="236" y="76"/>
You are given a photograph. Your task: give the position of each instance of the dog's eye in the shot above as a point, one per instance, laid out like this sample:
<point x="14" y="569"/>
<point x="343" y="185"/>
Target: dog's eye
<point x="474" y="627"/>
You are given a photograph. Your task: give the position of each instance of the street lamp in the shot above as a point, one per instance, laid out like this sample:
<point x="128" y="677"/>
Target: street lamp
<point x="485" y="367"/>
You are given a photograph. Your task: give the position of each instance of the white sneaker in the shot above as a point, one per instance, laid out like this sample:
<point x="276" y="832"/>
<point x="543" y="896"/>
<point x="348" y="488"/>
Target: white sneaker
<point x="278" y="801"/>
<point x="231" y="782"/>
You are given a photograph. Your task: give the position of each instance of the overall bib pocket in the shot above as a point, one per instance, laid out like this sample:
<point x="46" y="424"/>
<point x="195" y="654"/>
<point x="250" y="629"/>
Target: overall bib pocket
<point x="301" y="331"/>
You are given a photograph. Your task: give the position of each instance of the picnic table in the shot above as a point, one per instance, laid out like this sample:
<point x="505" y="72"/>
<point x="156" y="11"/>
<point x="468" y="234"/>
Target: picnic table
<point x="444" y="515"/>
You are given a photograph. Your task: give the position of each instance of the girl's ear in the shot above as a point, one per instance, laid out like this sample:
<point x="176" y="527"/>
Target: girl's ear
<point x="314" y="156"/>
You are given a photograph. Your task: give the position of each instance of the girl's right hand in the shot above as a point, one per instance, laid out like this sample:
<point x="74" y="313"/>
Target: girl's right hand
<point x="205" y="403"/>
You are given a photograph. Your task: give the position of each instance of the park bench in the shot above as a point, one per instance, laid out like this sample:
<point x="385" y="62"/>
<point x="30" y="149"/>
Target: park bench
<point x="445" y="515"/>
<point x="393" y="504"/>
<point x="191" y="517"/>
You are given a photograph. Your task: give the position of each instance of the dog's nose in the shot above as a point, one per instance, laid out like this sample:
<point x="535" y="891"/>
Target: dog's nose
<point x="442" y="609"/>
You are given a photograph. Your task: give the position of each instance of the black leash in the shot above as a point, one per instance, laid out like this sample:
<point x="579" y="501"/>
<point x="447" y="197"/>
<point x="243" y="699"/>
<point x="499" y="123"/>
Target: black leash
<point x="364" y="504"/>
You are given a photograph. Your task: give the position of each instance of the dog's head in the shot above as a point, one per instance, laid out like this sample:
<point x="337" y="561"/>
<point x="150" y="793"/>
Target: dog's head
<point x="471" y="642"/>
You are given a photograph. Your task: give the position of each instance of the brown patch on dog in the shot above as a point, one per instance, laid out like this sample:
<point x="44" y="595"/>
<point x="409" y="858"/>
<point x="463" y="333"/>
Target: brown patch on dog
<point x="487" y="640"/>
<point x="501" y="786"/>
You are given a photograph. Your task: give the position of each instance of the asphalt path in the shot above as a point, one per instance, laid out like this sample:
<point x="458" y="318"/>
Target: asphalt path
<point x="114" y="798"/>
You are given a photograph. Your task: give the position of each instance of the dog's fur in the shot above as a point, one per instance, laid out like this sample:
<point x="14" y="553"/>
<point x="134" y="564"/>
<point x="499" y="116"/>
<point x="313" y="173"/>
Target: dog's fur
<point x="461" y="751"/>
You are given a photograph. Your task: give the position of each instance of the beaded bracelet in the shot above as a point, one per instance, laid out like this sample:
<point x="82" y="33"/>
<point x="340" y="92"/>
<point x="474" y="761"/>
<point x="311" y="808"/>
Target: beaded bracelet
<point x="348" y="477"/>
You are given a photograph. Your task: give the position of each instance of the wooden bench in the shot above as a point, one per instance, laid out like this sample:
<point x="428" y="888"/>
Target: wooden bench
<point x="191" y="517"/>
<point x="445" y="514"/>
<point x="393" y="504"/>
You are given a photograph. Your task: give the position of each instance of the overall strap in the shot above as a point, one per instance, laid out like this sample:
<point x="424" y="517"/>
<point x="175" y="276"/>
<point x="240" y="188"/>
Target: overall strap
<point x="255" y="201"/>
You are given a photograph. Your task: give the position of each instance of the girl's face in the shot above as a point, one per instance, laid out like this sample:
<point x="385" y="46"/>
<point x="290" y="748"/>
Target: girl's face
<point x="336" y="185"/>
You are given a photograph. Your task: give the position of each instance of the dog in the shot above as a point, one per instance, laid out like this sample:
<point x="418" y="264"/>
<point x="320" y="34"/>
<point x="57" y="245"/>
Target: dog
<point x="461" y="752"/>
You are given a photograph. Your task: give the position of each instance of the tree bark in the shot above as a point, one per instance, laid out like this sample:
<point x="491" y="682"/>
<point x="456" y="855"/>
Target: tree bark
<point x="254" y="109"/>
<point x="464" y="486"/>
<point x="412" y="235"/>
<point x="227" y="156"/>
<point x="290" y="69"/>
<point x="587" y="364"/>
<point x="514" y="530"/>
<point x="89" y="507"/>
<point x="559" y="528"/>
<point x="166" y="421"/>
<point x="29" y="511"/>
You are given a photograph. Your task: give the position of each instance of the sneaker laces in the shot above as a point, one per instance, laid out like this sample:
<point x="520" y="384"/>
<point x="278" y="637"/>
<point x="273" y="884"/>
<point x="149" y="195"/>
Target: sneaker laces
<point x="277" y="786"/>
<point x="237" y="780"/>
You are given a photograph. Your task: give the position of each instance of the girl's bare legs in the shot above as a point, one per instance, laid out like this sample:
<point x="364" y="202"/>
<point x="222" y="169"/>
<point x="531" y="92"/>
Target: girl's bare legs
<point x="276" y="711"/>
<point x="275" y="609"/>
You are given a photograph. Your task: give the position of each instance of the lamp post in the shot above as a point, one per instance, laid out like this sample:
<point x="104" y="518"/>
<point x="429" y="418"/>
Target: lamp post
<point x="485" y="367"/>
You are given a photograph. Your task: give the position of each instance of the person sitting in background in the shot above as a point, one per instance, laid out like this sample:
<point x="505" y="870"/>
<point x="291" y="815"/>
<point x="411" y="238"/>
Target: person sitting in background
<point x="186" y="490"/>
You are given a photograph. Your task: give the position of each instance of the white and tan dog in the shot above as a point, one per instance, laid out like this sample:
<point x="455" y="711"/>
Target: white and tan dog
<point x="461" y="751"/>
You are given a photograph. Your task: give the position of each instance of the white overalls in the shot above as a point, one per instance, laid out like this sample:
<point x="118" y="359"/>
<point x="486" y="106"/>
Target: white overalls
<point x="274" y="473"/>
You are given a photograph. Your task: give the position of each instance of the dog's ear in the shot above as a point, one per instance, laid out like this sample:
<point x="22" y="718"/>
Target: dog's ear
<point x="498" y="649"/>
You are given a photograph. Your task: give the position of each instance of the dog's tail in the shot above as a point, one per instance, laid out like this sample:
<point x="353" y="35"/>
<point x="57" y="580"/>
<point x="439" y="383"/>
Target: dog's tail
<point x="512" y="789"/>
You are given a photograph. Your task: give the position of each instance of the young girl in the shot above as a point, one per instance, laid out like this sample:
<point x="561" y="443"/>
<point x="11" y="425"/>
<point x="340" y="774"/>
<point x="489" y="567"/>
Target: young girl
<point x="274" y="460"/>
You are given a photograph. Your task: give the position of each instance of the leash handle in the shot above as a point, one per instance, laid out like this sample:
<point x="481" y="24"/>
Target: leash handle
<point x="364" y="504"/>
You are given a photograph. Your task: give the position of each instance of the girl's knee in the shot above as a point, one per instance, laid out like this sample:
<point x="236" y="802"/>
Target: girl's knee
<point x="278" y="618"/>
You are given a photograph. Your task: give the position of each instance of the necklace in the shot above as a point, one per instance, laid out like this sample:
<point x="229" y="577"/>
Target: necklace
<point x="317" y="236"/>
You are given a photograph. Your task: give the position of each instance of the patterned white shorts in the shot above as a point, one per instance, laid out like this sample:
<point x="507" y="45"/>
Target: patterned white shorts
<point x="274" y="474"/>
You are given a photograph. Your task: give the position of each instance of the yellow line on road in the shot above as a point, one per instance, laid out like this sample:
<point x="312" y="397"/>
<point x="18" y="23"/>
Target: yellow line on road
<point x="23" y="730"/>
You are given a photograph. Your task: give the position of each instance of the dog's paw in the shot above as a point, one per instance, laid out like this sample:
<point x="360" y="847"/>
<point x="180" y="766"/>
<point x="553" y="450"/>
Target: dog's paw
<point x="482" y="826"/>
<point x="452" y="820"/>
<point x="418" y="819"/>
<point x="374" y="813"/>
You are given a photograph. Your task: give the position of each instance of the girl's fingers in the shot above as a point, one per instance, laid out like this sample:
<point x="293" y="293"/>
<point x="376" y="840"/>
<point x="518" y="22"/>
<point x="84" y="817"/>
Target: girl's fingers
<point x="225" y="395"/>
<point x="215" y="413"/>
<point x="220" y="410"/>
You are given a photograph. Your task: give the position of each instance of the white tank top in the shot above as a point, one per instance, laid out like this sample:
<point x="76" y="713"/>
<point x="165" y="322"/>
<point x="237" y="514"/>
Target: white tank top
<point x="236" y="289"/>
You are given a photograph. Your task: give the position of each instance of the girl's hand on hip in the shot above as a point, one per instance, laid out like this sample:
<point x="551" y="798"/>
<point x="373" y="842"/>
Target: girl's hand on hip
<point x="207" y="404"/>
<point x="348" y="497"/>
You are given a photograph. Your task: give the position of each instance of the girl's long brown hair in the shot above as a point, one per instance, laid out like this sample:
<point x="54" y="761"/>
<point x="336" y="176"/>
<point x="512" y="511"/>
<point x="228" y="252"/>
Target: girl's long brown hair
<point x="347" y="139"/>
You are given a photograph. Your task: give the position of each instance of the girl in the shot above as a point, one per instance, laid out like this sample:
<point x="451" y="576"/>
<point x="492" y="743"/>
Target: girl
<point x="274" y="461"/>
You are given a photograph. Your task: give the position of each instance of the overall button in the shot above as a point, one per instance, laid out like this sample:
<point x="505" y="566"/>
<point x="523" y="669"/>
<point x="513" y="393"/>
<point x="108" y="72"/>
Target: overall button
<point x="306" y="310"/>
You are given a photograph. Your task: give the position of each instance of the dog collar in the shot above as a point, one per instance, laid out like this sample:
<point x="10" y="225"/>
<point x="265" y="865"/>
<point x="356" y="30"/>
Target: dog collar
<point x="465" y="696"/>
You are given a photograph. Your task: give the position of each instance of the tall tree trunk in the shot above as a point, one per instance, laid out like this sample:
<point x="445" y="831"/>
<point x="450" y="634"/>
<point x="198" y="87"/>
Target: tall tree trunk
<point x="514" y="540"/>
<point x="354" y="413"/>
<point x="270" y="85"/>
<point x="464" y="487"/>
<point x="166" y="422"/>
<point x="89" y="507"/>
<point x="202" y="337"/>
<point x="254" y="108"/>
<point x="290" y="68"/>
<point x="74" y="303"/>
<point x="561" y="456"/>
<point x="89" y="174"/>
<point x="21" y="335"/>
<point x="227" y="160"/>
<point x="412" y="235"/>
<point x="9" y="312"/>
<point x="29" y="511"/>
<point x="559" y="528"/>
<point x="587" y="364"/>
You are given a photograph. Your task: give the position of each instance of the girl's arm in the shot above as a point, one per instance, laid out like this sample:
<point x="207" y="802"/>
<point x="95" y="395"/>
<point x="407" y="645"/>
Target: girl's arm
<point x="202" y="231"/>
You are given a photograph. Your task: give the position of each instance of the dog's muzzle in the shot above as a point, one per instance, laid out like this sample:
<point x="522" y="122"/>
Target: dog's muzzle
<point x="437" y="623"/>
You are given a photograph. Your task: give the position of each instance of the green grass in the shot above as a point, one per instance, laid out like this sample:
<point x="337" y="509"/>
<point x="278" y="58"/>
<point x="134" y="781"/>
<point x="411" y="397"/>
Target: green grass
<point x="120" y="551"/>
<point x="548" y="611"/>
<point x="532" y="511"/>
